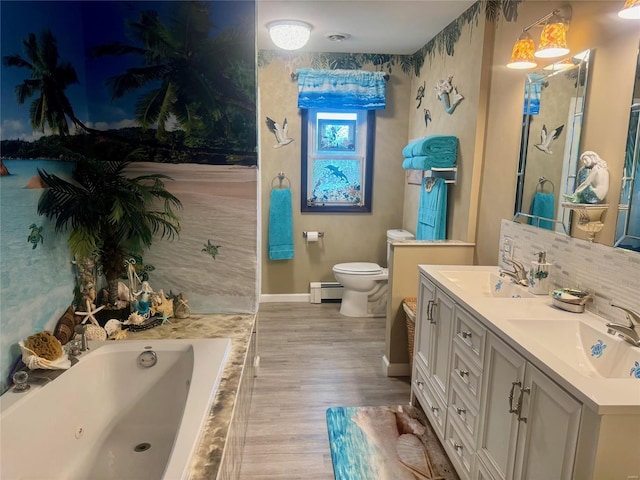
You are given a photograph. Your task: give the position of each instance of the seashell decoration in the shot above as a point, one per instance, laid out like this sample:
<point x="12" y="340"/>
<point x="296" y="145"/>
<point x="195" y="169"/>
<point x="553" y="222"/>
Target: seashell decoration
<point x="181" y="306"/>
<point x="112" y="326"/>
<point x="94" y="332"/>
<point x="135" y="319"/>
<point x="413" y="456"/>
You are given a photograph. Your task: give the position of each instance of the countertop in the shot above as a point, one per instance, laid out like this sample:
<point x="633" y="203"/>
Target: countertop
<point x="603" y="395"/>
<point x="237" y="327"/>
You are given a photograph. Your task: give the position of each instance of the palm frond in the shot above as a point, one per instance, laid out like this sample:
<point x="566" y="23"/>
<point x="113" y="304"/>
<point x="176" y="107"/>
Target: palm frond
<point x="510" y="9"/>
<point x="492" y="9"/>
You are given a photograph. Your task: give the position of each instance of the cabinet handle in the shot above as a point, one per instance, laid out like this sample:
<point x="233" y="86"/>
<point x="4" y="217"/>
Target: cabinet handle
<point x="519" y="406"/>
<point x="457" y="446"/>
<point x="460" y="411"/>
<point x="430" y="306"/>
<point x="462" y="373"/>
<point x="434" y="409"/>
<point x="513" y="386"/>
<point x="420" y="384"/>
<point x="465" y="334"/>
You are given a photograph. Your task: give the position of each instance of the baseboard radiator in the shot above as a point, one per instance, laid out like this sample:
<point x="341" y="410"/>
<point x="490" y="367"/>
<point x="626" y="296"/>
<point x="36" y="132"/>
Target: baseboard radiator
<point x="325" y="292"/>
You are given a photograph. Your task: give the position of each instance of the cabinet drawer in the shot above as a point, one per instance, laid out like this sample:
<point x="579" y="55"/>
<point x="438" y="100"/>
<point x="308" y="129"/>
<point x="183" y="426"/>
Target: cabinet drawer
<point x="470" y="335"/>
<point x="460" y="452"/>
<point x="466" y="374"/>
<point x="464" y="413"/>
<point x="430" y="402"/>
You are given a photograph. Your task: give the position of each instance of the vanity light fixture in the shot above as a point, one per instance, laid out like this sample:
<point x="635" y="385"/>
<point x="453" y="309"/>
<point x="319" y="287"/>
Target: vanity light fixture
<point x="553" y="40"/>
<point x="289" y="34"/>
<point x="522" y="55"/>
<point x="631" y="10"/>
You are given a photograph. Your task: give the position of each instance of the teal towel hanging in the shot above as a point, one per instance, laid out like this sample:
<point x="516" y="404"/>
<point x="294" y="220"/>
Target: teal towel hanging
<point x="280" y="225"/>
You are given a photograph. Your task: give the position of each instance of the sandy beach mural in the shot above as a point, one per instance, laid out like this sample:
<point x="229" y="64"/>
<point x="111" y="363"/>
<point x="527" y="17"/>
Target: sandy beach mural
<point x="173" y="81"/>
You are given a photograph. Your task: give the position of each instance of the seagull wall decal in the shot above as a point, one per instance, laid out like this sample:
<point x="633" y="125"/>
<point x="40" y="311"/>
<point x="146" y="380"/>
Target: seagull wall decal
<point x="547" y="138"/>
<point x="280" y="131"/>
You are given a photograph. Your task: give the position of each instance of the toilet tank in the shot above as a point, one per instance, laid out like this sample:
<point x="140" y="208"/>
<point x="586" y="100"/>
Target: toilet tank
<point x="397" y="234"/>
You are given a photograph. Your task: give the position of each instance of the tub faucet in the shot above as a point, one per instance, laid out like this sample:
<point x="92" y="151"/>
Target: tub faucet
<point x="82" y="331"/>
<point x="518" y="274"/>
<point x="628" y="332"/>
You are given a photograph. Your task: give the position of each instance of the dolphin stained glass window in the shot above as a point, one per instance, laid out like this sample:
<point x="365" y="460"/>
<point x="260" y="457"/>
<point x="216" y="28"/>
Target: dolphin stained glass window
<point x="337" y="160"/>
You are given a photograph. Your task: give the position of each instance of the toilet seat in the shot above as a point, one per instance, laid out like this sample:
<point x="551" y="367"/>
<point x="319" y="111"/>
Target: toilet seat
<point x="358" y="268"/>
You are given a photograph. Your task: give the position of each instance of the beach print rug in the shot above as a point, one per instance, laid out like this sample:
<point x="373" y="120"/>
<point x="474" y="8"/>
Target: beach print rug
<point x="385" y="443"/>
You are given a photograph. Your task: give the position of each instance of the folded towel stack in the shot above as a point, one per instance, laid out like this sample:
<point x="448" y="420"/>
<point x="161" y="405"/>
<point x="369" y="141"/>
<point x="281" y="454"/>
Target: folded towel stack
<point x="435" y="151"/>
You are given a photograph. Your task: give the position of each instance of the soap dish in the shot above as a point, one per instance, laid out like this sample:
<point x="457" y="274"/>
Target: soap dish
<point x="569" y="307"/>
<point x="570" y="299"/>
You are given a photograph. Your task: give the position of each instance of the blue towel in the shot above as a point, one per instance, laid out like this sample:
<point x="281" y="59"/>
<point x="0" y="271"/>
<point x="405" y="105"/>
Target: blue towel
<point x="432" y="145"/>
<point x="280" y="225"/>
<point x="432" y="211"/>
<point x="543" y="205"/>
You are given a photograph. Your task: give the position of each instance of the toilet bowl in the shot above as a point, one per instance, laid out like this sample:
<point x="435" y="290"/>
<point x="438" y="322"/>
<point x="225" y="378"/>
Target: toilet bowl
<point x="365" y="284"/>
<point x="365" y="289"/>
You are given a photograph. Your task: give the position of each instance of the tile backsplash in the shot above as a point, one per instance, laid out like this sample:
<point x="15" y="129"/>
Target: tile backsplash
<point x="612" y="275"/>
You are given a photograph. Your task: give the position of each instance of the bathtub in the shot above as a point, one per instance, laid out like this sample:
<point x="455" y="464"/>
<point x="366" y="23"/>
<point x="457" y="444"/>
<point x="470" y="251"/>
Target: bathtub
<point x="108" y="417"/>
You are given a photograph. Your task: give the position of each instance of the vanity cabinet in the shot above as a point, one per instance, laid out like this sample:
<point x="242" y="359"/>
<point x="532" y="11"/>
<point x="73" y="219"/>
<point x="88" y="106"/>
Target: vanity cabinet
<point x="497" y="415"/>
<point x="529" y="425"/>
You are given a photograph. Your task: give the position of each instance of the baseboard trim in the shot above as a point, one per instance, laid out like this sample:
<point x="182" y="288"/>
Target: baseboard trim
<point x="285" y="297"/>
<point x="395" y="369"/>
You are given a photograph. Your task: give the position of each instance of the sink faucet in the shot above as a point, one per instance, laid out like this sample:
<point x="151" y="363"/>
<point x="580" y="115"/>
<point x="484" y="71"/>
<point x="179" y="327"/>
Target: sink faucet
<point x="628" y="332"/>
<point x="518" y="274"/>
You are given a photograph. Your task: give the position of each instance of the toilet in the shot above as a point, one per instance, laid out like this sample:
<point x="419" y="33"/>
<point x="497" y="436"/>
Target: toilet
<point x="365" y="284"/>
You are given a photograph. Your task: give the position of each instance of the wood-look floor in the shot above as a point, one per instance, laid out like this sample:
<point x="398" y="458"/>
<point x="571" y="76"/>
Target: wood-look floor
<point x="312" y="358"/>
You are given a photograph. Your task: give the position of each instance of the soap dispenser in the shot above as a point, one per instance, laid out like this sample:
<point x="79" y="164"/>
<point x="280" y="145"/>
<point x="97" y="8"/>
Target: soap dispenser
<point x="539" y="280"/>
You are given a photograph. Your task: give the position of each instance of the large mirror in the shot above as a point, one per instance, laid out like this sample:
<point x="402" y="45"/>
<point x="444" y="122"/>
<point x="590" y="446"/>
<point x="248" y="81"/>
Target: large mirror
<point x="628" y="226"/>
<point x="554" y="100"/>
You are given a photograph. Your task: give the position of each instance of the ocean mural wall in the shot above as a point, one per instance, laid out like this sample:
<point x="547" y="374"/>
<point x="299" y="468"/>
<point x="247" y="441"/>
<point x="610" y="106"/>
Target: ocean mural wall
<point x="172" y="82"/>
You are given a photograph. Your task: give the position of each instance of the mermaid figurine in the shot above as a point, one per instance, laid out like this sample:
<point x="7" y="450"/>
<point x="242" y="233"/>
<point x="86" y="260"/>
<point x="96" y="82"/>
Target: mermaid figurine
<point x="592" y="180"/>
<point x="142" y="302"/>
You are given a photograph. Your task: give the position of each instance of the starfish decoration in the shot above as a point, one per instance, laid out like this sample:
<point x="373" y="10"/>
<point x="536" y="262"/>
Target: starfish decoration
<point x="89" y="314"/>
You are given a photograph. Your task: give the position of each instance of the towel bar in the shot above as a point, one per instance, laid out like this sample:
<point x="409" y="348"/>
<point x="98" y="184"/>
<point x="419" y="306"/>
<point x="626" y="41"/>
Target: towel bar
<point x="450" y="175"/>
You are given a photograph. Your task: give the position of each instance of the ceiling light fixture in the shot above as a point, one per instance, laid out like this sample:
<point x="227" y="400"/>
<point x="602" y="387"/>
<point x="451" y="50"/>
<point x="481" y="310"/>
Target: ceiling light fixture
<point x="553" y="40"/>
<point x="631" y="10"/>
<point x="289" y="34"/>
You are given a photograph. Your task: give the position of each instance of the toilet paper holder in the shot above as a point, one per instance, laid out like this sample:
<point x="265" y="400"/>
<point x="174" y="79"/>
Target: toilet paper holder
<point x="320" y="234"/>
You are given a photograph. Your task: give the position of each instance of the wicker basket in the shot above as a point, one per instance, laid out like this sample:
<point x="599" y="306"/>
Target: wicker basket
<point x="409" y="305"/>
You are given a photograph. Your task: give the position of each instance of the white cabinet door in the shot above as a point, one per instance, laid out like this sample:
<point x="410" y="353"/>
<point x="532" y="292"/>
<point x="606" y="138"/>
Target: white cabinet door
<point x="503" y="370"/>
<point x="528" y="425"/>
<point x="548" y="432"/>
<point x="424" y="319"/>
<point x="442" y="328"/>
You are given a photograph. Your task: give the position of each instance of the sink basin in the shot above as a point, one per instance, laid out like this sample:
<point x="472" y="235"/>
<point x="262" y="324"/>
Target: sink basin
<point x="586" y="348"/>
<point x="486" y="284"/>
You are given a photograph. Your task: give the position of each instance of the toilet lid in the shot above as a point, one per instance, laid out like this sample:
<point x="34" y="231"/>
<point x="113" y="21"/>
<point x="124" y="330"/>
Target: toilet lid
<point x="358" y="268"/>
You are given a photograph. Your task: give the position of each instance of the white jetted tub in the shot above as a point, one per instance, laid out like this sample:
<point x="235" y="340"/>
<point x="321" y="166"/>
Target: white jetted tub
<point x="112" y="416"/>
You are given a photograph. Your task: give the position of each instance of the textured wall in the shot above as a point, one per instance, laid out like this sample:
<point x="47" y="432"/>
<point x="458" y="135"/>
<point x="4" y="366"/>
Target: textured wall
<point x="347" y="237"/>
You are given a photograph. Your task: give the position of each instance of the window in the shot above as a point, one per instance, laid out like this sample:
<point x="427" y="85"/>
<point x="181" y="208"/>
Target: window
<point x="337" y="160"/>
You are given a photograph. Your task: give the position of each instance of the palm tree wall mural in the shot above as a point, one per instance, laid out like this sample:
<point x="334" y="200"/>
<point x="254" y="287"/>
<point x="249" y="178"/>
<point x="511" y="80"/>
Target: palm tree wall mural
<point x="172" y="81"/>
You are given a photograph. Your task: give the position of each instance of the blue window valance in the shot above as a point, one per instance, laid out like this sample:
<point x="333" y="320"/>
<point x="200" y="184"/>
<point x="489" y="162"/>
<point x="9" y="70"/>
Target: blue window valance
<point x="346" y="89"/>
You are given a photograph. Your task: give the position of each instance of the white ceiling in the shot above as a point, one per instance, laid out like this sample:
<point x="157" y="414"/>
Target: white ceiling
<point x="375" y="26"/>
